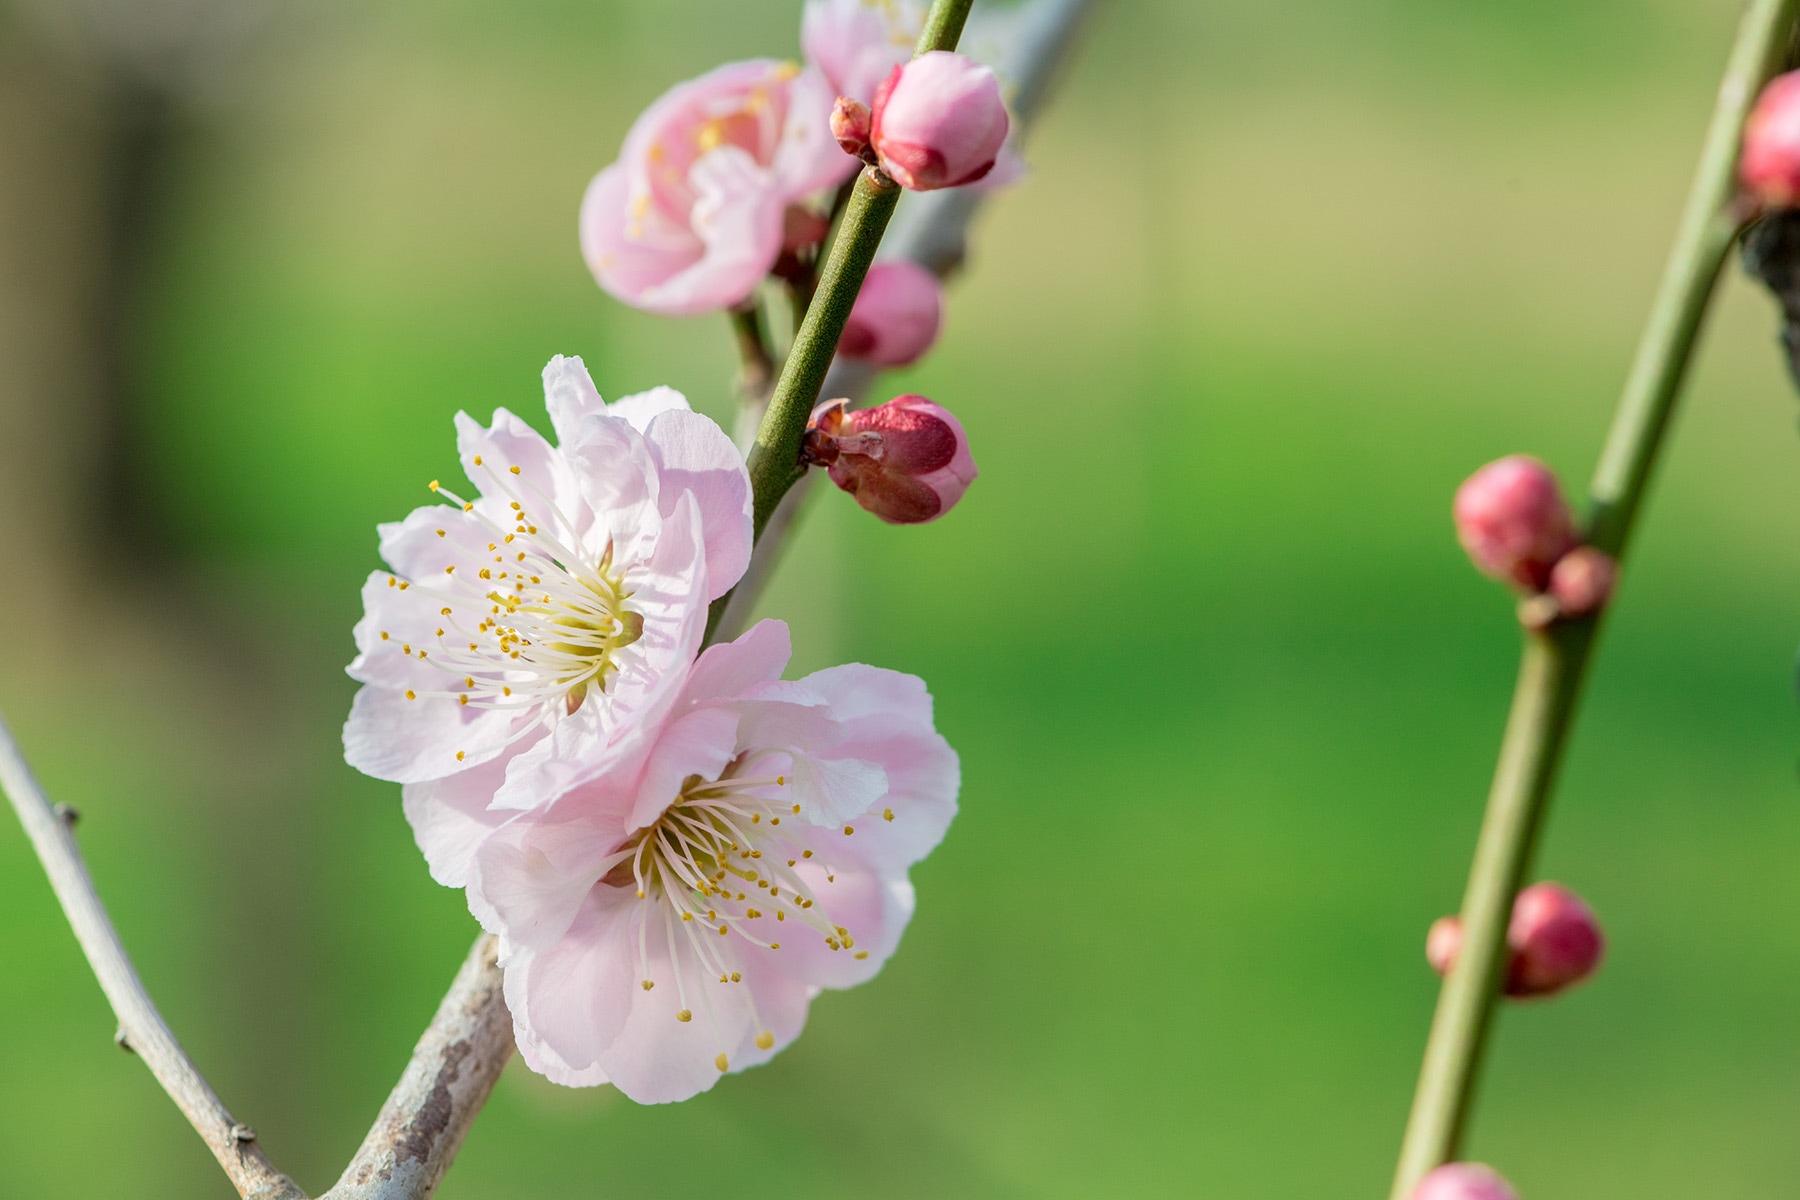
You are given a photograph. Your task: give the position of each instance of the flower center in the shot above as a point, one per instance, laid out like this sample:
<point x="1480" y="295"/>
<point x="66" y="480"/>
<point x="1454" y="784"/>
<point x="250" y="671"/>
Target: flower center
<point x="534" y="620"/>
<point x="719" y="861"/>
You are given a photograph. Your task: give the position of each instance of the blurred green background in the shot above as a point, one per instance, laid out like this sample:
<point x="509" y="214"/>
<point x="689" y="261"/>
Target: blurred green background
<point x="1227" y="693"/>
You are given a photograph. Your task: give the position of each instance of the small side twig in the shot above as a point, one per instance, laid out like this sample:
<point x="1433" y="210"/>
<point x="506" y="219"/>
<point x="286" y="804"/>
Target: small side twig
<point x="1555" y="658"/>
<point x="142" y="1029"/>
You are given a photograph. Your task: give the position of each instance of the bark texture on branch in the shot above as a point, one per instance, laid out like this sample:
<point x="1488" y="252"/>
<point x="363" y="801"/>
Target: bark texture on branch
<point x="454" y="1068"/>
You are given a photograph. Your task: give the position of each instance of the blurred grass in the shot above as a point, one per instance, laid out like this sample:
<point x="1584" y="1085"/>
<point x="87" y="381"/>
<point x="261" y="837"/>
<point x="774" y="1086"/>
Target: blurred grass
<point x="1225" y="691"/>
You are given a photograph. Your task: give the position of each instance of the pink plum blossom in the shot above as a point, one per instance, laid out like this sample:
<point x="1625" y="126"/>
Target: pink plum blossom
<point x="896" y="316"/>
<point x="857" y="43"/>
<point x="906" y="461"/>
<point x="938" y="121"/>
<point x="691" y="216"/>
<point x="670" y="916"/>
<point x="565" y="596"/>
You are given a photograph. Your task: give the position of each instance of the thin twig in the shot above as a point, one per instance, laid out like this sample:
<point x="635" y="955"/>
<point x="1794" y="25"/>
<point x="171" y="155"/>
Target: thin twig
<point x="143" y="1030"/>
<point x="1555" y="660"/>
<point x="474" y="1013"/>
<point x="931" y="229"/>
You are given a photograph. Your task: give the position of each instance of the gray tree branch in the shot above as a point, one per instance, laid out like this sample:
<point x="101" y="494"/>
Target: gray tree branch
<point x="142" y="1029"/>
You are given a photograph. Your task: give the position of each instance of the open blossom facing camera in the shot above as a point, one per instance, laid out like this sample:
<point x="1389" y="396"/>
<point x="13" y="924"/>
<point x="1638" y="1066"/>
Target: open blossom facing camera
<point x="565" y="593"/>
<point x="671" y="917"/>
<point x="692" y="215"/>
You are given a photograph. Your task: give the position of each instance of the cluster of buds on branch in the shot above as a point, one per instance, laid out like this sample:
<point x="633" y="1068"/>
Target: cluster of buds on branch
<point x="1553" y="942"/>
<point x="1512" y="519"/>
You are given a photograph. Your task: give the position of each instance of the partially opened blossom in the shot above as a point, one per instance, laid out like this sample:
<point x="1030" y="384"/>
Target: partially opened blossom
<point x="856" y="43"/>
<point x="565" y="594"/>
<point x="938" y="122"/>
<point x="896" y="316"/>
<point x="670" y="916"/>
<point x="691" y="216"/>
<point x="907" y="461"/>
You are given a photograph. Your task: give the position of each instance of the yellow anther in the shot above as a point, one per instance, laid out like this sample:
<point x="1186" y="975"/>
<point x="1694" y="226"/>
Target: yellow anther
<point x="774" y="945"/>
<point x="687" y="916"/>
<point x="774" y="820"/>
<point x="765" y="1040"/>
<point x="736" y="978"/>
<point x="463" y="699"/>
<point x="433" y="485"/>
<point x="478" y="460"/>
<point x="887" y="814"/>
<point x="780" y="916"/>
<point x="684" y="1016"/>
<point x="459" y="756"/>
<point x="509" y="537"/>
<point x="514" y="470"/>
<point x="406" y="648"/>
<point x="755" y="818"/>
<point x="862" y="954"/>
<point x="486" y="574"/>
<point x="404" y="585"/>
<point x="450" y="570"/>
<point x="442" y="533"/>
<point x="469" y="506"/>
<point x="648" y="984"/>
<point x="796" y="810"/>
<point x="848" y="830"/>
<point x="411" y="695"/>
<point x="384" y="635"/>
<point x="517" y="507"/>
<point x="392" y="581"/>
<point x="806" y="854"/>
<point x="721" y="1063"/>
<point x="506" y="691"/>
<point x="751" y="913"/>
<point x="443" y="612"/>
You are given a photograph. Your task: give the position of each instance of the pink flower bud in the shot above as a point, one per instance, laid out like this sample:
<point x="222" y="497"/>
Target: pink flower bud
<point x="1464" y="1181"/>
<point x="1582" y="581"/>
<point x="1553" y="938"/>
<point x="850" y="126"/>
<point x="1770" y="165"/>
<point x="906" y="461"/>
<point x="938" y="122"/>
<point x="1443" y="942"/>
<point x="1513" y="521"/>
<point x="896" y="316"/>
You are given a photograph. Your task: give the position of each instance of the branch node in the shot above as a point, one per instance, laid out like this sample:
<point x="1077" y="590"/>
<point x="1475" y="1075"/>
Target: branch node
<point x="242" y="1133"/>
<point x="68" y="814"/>
<point x="123" y="1041"/>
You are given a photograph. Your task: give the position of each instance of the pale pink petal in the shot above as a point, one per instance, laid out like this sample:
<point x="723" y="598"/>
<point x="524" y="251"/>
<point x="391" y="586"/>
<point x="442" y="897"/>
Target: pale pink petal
<point x="737" y="216"/>
<point x="409" y="741"/>
<point x="852" y="894"/>
<point x="700" y="743"/>
<point x="886" y="716"/>
<point x="629" y="266"/>
<point x="810" y="159"/>
<point x="530" y="879"/>
<point x="758" y="656"/>
<point x="570" y="396"/>
<point x="695" y="455"/>
<point x="450" y="817"/>
<point x="640" y="408"/>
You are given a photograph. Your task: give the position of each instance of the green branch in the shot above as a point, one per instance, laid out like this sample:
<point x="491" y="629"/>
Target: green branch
<point x="1555" y="660"/>
<point x="774" y="458"/>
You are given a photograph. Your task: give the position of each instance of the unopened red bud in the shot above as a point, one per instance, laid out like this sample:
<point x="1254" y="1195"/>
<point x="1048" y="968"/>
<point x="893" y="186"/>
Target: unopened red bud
<point x="1582" y="581"/>
<point x="1770" y="165"/>
<point x="938" y="122"/>
<point x="896" y="316"/>
<point x="850" y="126"/>
<point x="1555" y="939"/>
<point x="1464" y="1181"/>
<point x="1553" y="942"/>
<point x="906" y="461"/>
<point x="1513" y="521"/>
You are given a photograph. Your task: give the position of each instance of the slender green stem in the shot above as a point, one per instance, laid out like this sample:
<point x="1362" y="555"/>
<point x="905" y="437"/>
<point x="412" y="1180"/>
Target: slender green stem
<point x="1555" y="660"/>
<point x="756" y="362"/>
<point x="774" y="458"/>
